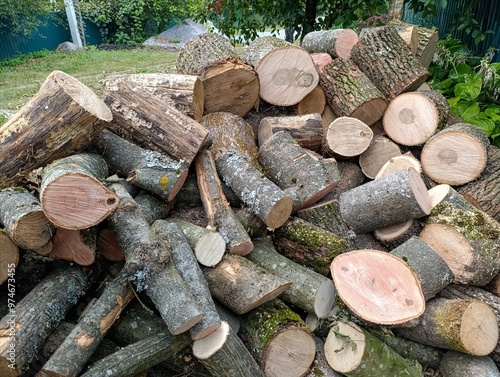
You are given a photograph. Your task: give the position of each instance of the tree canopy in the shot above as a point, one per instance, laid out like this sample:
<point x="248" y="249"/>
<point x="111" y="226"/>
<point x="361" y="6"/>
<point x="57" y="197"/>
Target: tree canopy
<point x="23" y="16"/>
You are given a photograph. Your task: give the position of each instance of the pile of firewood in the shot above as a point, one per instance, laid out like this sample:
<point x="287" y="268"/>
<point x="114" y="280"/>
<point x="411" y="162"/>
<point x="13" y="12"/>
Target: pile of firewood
<point x="286" y="212"/>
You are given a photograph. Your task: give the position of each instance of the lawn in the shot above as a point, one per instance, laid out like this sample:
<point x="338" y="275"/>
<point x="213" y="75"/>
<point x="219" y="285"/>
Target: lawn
<point x="22" y="77"/>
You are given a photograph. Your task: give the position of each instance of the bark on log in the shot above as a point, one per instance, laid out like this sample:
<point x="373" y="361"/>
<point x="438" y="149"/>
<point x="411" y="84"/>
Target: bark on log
<point x="71" y="193"/>
<point x="468" y="326"/>
<point x="484" y="192"/>
<point x="109" y="247"/>
<point x="224" y="354"/>
<point x="427" y="45"/>
<point x="219" y="213"/>
<point x="77" y="116"/>
<point x="24" y="220"/>
<point x="387" y="201"/>
<point x="412" y="118"/>
<point x="279" y="340"/>
<point x="308" y="244"/>
<point x="185" y="261"/>
<point x="466" y="238"/>
<point x="74" y="245"/>
<point x="241" y="285"/>
<point x="458" y="364"/>
<point x="146" y="121"/>
<point x="31" y="320"/>
<point x="295" y="171"/>
<point x="314" y="102"/>
<point x="409" y="34"/>
<point x="434" y="274"/>
<point x="252" y="224"/>
<point x="350" y="176"/>
<point x="353" y="351"/>
<point x="350" y="92"/>
<point x="149" y="266"/>
<point x="387" y="60"/>
<point x="397" y="163"/>
<point x="338" y="42"/>
<point x="153" y="207"/>
<point x="377" y="154"/>
<point x="321" y="60"/>
<point x="150" y="170"/>
<point x="307" y="129"/>
<point x="455" y="155"/>
<point x="9" y="257"/>
<point x="71" y="357"/>
<point x="378" y="287"/>
<point x="286" y="75"/>
<point x="310" y="291"/>
<point x="262" y="46"/>
<point x="320" y="366"/>
<point x="346" y="137"/>
<point x="263" y="197"/>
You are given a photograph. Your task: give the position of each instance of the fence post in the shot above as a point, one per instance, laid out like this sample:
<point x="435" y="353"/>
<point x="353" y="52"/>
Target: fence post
<point x="73" y="23"/>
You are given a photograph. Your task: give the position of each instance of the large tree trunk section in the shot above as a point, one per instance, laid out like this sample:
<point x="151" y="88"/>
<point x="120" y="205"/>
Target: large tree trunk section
<point x="308" y="244"/>
<point x="307" y="129"/>
<point x="187" y="265"/>
<point x="378" y="287"/>
<point x="395" y="235"/>
<point x="264" y="198"/>
<point x="71" y="357"/>
<point x="434" y="274"/>
<point x="72" y="195"/>
<point x="484" y="192"/>
<point x="338" y="42"/>
<point x="286" y="76"/>
<point x="295" y="171"/>
<point x="412" y="118"/>
<point x="77" y="115"/>
<point x="455" y="155"/>
<point x="208" y="246"/>
<point x="350" y="92"/>
<point x="386" y="201"/>
<point x="468" y="326"/>
<point x="354" y="352"/>
<point x="458" y="364"/>
<point x="146" y="121"/>
<point x="466" y="238"/>
<point x="409" y="34"/>
<point x="387" y="60"/>
<point x="24" y="220"/>
<point x="203" y="50"/>
<point x="149" y="266"/>
<point x="241" y="285"/>
<point x="24" y="330"/>
<point x="231" y="86"/>
<point x="346" y="137"/>
<point x="397" y="163"/>
<point x="184" y="92"/>
<point x="262" y="46"/>
<point x="9" y="258"/>
<point x="219" y="213"/>
<point x="72" y="245"/>
<point x="314" y="102"/>
<point x="381" y="150"/>
<point x="310" y="291"/>
<point x="279" y="339"/>
<point x="228" y="131"/>
<point x="224" y="354"/>
<point x="150" y="170"/>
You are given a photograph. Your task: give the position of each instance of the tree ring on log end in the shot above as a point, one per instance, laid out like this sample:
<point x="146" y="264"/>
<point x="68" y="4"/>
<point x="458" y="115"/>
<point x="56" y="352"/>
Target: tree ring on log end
<point x="205" y="347"/>
<point x="345" y="358"/>
<point x="476" y="339"/>
<point x="280" y="213"/>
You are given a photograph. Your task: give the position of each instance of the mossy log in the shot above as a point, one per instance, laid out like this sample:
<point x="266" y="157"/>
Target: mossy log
<point x="354" y="352"/>
<point x="381" y="150"/>
<point x="9" y="258"/>
<point x="269" y="202"/>
<point x="184" y="92"/>
<point x="22" y="216"/>
<point x="468" y="326"/>
<point x="349" y="92"/>
<point x="310" y="291"/>
<point x="77" y="115"/>
<point x="153" y="171"/>
<point x="30" y="321"/>
<point x="71" y="193"/>
<point x="278" y="339"/>
<point x="308" y="244"/>
<point x="458" y="364"/>
<point x="72" y="355"/>
<point x="295" y="171"/>
<point x="465" y="237"/>
<point x="241" y="285"/>
<point x="388" y="62"/>
<point x="337" y="42"/>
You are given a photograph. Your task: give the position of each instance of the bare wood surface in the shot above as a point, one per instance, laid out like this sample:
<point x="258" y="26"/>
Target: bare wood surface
<point x="314" y="102"/>
<point x="321" y="60"/>
<point x="9" y="257"/>
<point x="109" y="247"/>
<point x="381" y="150"/>
<point x="70" y="244"/>
<point x="337" y="42"/>
<point x="400" y="162"/>
<point x="320" y="365"/>
<point x="346" y="137"/>
<point x="77" y="116"/>
<point x="262" y="46"/>
<point x="395" y="235"/>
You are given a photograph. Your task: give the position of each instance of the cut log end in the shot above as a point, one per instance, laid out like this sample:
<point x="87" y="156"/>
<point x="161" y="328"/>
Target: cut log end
<point x="209" y="345"/>
<point x="370" y="111"/>
<point x="325" y="299"/>
<point x="10" y="256"/>
<point x="207" y="331"/>
<point x="32" y="231"/>
<point x="420" y="190"/>
<point x="109" y="246"/>
<point x="479" y="330"/>
<point x="69" y="245"/>
<point x="178" y="185"/>
<point x="280" y="213"/>
<point x="210" y="249"/>
<point x="346" y="40"/>
<point x="340" y="357"/>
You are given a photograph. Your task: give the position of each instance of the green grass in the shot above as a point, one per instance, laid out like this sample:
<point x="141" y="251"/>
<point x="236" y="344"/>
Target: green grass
<point x="21" y="78"/>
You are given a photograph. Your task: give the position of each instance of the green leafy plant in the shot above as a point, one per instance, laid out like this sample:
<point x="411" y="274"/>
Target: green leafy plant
<point x="470" y="83"/>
